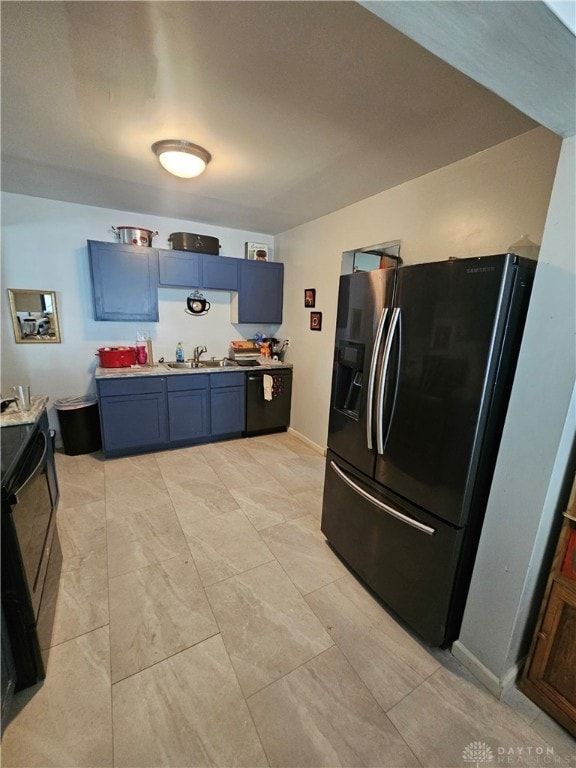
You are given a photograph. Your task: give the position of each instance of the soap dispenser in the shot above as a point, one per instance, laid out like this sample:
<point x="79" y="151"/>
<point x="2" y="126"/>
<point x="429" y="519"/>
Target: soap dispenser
<point x="179" y="353"/>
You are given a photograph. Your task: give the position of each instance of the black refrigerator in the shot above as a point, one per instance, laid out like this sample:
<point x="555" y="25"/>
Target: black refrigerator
<point x="424" y="362"/>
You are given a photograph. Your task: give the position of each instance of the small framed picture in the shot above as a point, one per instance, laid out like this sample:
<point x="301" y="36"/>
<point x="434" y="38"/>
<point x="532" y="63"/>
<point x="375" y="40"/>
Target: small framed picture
<point x="256" y="251"/>
<point x="310" y="297"/>
<point x="315" y="321"/>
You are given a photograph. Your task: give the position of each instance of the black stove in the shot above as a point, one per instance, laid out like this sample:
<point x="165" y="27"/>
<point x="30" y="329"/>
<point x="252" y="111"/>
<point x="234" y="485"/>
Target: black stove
<point x="31" y="555"/>
<point x="13" y="444"/>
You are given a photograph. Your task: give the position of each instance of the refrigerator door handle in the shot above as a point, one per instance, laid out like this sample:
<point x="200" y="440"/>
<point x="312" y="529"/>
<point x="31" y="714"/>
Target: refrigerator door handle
<point x="372" y="376"/>
<point x="380" y="442"/>
<point x="380" y="504"/>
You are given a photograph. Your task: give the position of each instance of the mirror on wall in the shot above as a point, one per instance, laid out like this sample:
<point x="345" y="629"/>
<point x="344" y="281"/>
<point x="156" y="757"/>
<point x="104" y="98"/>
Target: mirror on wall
<point x="34" y="316"/>
<point x="377" y="257"/>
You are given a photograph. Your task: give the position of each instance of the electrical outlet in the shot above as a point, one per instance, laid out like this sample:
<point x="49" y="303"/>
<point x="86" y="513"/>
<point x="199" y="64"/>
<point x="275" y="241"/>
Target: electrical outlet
<point x="287" y="342"/>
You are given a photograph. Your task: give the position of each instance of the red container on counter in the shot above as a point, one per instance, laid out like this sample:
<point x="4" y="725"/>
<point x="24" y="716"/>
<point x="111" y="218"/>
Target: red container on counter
<point x="117" y="357"/>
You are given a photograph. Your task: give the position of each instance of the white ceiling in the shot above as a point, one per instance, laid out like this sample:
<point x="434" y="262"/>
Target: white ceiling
<point x="306" y="107"/>
<point x="524" y="50"/>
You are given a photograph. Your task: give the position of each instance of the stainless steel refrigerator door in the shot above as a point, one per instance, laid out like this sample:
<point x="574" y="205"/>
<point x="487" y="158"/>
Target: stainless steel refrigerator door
<point x="454" y="318"/>
<point x="363" y="305"/>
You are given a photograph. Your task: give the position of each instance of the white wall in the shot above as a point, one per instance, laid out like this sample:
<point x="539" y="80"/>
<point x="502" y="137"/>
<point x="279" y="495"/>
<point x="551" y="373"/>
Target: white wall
<point x="474" y="207"/>
<point x="533" y="462"/>
<point x="44" y="247"/>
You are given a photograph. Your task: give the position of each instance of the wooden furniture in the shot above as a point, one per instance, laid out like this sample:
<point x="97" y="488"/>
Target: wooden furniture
<point x="549" y="676"/>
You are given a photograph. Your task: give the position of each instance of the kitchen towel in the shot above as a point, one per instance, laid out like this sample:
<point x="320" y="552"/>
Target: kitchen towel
<point x="277" y="384"/>
<point x="267" y="382"/>
<point x="273" y="385"/>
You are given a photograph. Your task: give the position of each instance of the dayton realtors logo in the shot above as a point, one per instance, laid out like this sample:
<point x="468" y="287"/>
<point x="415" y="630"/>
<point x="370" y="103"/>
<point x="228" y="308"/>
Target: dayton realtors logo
<point x="477" y="752"/>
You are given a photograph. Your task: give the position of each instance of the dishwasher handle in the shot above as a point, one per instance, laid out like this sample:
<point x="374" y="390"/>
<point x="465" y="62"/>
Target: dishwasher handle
<point x="260" y="376"/>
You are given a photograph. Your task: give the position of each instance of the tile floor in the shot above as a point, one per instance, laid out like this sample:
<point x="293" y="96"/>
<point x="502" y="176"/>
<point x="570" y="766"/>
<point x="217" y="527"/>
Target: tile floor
<point x="203" y="621"/>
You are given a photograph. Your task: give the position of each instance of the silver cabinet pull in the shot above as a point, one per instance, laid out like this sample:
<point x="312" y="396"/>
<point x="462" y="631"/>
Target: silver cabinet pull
<point x="382" y="386"/>
<point x="380" y="504"/>
<point x="372" y="375"/>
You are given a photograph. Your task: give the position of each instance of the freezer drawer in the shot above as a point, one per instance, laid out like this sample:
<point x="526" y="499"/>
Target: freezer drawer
<point x="409" y="558"/>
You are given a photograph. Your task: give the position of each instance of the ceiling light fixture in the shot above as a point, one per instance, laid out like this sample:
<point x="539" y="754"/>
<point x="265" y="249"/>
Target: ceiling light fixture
<point x="182" y="158"/>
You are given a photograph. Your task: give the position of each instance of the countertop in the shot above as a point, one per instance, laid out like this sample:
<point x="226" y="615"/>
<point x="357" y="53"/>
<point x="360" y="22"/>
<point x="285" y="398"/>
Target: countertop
<point x="12" y="417"/>
<point x="160" y="369"/>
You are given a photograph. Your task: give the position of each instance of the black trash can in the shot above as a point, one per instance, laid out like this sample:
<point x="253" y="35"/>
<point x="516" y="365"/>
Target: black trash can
<point x="79" y="424"/>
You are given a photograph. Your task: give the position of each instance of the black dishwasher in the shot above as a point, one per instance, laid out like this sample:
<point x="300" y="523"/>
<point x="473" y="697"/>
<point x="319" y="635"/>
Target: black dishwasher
<point x="268" y="415"/>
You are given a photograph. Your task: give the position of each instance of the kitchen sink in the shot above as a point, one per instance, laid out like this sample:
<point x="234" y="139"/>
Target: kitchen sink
<point x="201" y="364"/>
<point x="215" y="363"/>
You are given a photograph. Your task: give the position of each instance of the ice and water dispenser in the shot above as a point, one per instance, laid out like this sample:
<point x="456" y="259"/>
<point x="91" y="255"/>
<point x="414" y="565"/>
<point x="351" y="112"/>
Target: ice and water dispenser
<point x="349" y="378"/>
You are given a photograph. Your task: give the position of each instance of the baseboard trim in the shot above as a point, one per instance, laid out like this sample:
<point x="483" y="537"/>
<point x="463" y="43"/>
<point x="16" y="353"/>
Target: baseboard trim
<point x="497" y="686"/>
<point x="308" y="442"/>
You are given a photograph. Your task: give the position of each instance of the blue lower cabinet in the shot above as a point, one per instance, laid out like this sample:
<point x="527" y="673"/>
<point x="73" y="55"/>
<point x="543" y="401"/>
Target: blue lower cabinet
<point x="228" y="409"/>
<point x="133" y="414"/>
<point x="228" y="403"/>
<point x="151" y="413"/>
<point x="189" y="407"/>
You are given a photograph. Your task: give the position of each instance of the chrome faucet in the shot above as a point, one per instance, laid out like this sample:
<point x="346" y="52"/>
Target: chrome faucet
<point x="199" y="350"/>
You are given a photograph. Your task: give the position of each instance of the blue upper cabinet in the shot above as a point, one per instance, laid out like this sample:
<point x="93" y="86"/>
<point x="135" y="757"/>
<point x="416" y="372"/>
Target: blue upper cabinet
<point x="180" y="269"/>
<point x="198" y="270"/>
<point x="260" y="292"/>
<point x="220" y="273"/>
<point x="124" y="281"/>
